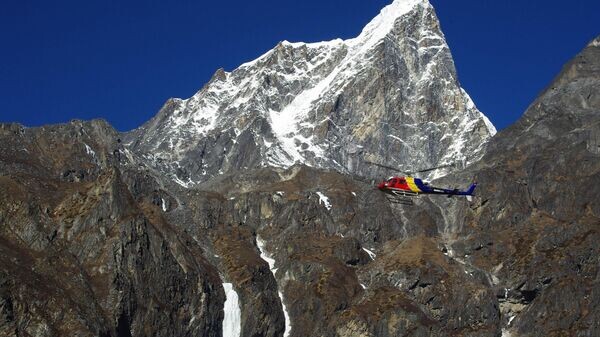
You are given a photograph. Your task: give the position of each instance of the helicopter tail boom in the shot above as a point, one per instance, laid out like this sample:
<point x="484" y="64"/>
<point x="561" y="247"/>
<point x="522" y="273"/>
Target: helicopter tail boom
<point x="451" y="193"/>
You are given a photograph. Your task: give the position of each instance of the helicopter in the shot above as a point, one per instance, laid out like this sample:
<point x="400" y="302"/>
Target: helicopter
<point x="401" y="190"/>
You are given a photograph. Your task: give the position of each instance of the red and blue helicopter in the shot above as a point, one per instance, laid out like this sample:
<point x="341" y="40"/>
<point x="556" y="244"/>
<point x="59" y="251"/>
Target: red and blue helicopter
<point x="401" y="189"/>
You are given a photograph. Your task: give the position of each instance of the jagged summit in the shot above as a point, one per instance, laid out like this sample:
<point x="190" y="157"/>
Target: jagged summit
<point x="373" y="32"/>
<point x="376" y="29"/>
<point x="390" y="94"/>
<point x="383" y="23"/>
<point x="595" y="42"/>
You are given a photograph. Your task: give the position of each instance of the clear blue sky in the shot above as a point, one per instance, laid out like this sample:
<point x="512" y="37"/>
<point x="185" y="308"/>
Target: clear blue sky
<point x="120" y="60"/>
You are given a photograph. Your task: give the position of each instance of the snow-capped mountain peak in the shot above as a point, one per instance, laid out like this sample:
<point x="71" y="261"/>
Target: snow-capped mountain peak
<point x="383" y="23"/>
<point x="389" y="94"/>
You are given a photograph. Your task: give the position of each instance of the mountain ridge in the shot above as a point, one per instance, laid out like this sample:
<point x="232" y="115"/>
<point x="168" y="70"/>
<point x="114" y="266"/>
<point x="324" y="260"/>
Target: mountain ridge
<point x="299" y="102"/>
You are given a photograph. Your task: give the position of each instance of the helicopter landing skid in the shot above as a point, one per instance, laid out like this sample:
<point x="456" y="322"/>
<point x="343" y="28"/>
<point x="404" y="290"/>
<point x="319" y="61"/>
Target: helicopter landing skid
<point x="402" y="197"/>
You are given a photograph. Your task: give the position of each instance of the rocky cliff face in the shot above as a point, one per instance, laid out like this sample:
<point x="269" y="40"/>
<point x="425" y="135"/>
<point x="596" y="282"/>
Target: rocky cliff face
<point x="535" y="226"/>
<point x="389" y="95"/>
<point x="84" y="249"/>
<point x="102" y="237"/>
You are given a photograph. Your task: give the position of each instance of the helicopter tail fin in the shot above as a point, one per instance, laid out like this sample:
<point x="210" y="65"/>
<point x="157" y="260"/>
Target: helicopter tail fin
<point x="471" y="189"/>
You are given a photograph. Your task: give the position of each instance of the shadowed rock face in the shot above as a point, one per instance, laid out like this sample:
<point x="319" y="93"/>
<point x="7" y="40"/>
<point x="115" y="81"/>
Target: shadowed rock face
<point x="535" y="226"/>
<point x="82" y="254"/>
<point x="96" y="240"/>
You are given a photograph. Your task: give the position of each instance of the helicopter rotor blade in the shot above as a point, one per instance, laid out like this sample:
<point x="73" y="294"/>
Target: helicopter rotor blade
<point x="408" y="172"/>
<point x="385" y="166"/>
<point x="434" y="168"/>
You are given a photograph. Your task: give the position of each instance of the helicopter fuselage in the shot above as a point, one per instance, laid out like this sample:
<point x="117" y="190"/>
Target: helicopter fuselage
<point x="409" y="186"/>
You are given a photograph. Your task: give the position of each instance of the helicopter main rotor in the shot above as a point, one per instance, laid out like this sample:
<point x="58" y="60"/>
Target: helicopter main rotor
<point x="408" y="172"/>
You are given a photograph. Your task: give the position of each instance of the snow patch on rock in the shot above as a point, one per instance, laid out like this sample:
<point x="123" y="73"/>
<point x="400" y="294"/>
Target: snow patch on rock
<point x="89" y="150"/>
<point x="232" y="320"/>
<point x="263" y="255"/>
<point x="371" y="254"/>
<point x="324" y="200"/>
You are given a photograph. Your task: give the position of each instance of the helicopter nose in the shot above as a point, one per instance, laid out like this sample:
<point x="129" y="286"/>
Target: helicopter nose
<point x="381" y="185"/>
